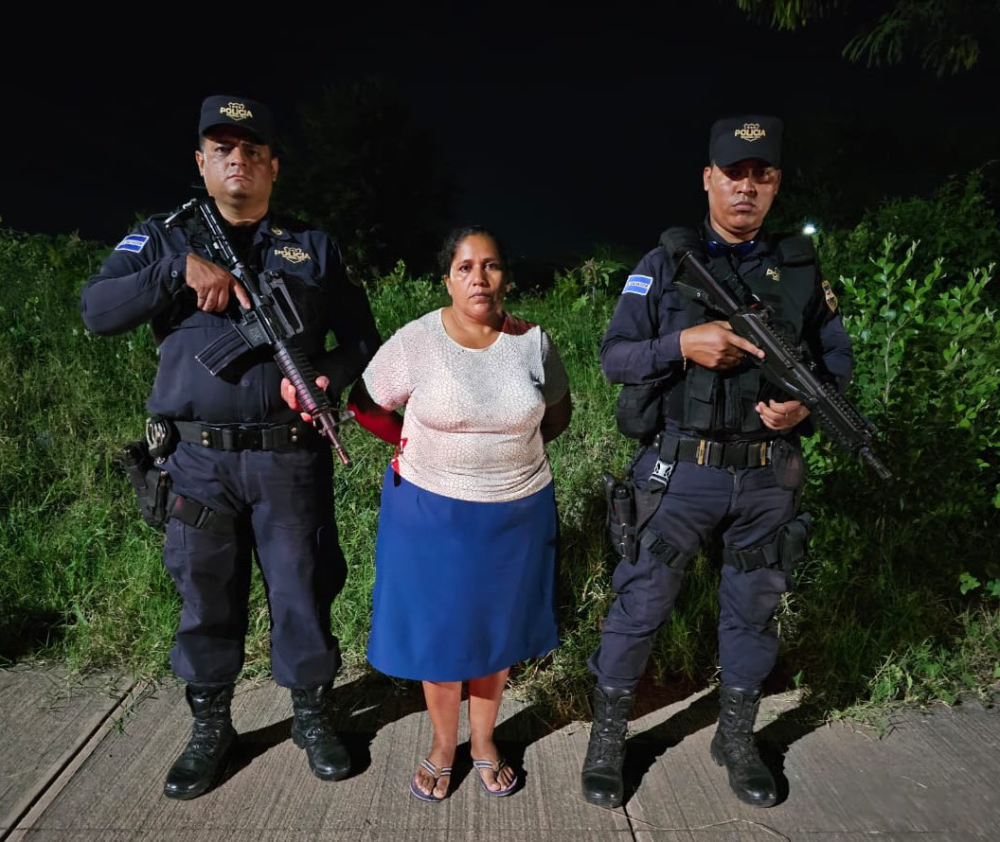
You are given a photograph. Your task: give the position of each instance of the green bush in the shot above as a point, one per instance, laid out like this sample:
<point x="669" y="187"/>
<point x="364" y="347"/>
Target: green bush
<point x="877" y="614"/>
<point x="886" y="561"/>
<point x="957" y="225"/>
<point x="77" y="569"/>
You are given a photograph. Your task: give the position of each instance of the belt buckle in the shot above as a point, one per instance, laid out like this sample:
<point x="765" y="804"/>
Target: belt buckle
<point x="250" y="438"/>
<point x="659" y="479"/>
<point x="711" y="453"/>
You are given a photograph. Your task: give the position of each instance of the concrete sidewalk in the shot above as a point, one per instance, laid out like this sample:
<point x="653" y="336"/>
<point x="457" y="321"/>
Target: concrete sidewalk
<point x="85" y="760"/>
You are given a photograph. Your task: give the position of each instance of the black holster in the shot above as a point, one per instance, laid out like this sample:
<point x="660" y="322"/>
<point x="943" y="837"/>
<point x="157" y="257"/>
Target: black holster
<point x="630" y="508"/>
<point x="157" y="501"/>
<point x="620" y="497"/>
<point x="150" y="483"/>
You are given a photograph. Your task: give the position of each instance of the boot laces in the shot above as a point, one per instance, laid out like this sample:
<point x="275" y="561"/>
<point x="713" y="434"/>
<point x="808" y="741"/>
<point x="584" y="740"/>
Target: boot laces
<point x="317" y="731"/>
<point x="314" y="724"/>
<point x="607" y="749"/>
<point x="205" y="739"/>
<point x="742" y="748"/>
<point x="607" y="741"/>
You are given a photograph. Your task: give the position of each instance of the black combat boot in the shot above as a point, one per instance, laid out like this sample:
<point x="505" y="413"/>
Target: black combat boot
<point x="601" y="777"/>
<point x="212" y="740"/>
<point x="733" y="746"/>
<point x="313" y="731"/>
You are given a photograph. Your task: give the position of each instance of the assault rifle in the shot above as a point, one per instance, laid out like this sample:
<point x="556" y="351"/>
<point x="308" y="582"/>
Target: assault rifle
<point x="782" y="365"/>
<point x="271" y="320"/>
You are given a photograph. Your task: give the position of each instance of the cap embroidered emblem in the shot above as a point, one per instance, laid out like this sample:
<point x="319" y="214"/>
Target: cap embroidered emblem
<point x="236" y="111"/>
<point x="750" y="132"/>
<point x="293" y="254"/>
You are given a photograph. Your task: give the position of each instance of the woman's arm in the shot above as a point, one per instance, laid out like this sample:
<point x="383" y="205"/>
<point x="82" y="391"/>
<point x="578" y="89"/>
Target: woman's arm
<point x="384" y="423"/>
<point x="557" y="417"/>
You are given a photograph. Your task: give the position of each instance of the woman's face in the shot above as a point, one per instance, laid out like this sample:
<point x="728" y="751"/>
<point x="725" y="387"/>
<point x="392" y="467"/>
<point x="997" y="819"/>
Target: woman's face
<point x="476" y="280"/>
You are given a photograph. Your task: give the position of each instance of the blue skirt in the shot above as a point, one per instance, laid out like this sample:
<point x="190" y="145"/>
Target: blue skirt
<point x="462" y="589"/>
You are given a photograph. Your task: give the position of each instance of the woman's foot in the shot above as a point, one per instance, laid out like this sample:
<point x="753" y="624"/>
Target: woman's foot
<point x="431" y="781"/>
<point x="495" y="775"/>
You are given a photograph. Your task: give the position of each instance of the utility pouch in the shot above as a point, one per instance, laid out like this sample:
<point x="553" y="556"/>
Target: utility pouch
<point x="783" y="550"/>
<point x="150" y="483"/>
<point x="621" y="519"/>
<point x="639" y="411"/>
<point x="795" y="541"/>
<point x="789" y="466"/>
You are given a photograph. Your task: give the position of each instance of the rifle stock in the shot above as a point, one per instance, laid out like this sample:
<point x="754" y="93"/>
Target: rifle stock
<point x="783" y="365"/>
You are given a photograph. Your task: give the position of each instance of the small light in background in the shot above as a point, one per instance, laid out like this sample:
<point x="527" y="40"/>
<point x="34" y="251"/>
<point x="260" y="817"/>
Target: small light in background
<point x="809" y="229"/>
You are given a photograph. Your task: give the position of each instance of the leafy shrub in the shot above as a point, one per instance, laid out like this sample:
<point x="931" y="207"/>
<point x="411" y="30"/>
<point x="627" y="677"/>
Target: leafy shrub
<point x="957" y="225"/>
<point x="877" y="615"/>
<point x="887" y="556"/>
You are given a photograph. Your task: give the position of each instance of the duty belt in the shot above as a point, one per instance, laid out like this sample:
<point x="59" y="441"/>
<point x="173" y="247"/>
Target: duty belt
<point x="247" y="437"/>
<point x="715" y="454"/>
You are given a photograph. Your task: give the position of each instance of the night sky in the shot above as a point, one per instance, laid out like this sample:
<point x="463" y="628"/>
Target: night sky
<point x="561" y="129"/>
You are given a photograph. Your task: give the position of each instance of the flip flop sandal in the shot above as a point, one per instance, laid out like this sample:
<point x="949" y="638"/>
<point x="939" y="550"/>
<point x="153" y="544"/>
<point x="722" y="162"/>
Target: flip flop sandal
<point x="495" y="769"/>
<point x="437" y="774"/>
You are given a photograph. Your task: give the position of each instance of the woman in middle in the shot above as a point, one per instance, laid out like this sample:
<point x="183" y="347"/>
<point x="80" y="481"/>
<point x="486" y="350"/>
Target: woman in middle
<point x="466" y="549"/>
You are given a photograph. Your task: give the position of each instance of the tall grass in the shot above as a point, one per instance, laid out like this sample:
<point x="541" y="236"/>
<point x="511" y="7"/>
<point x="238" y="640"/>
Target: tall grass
<point x="877" y="615"/>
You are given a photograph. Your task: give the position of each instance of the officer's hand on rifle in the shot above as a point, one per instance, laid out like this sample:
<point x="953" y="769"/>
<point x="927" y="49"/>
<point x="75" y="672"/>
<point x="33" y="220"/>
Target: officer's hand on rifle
<point x="213" y="285"/>
<point x="782" y="416"/>
<point x="714" y="345"/>
<point x="289" y="396"/>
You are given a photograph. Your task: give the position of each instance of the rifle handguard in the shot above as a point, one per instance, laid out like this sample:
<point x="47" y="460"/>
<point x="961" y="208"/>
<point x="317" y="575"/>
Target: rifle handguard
<point x="296" y="367"/>
<point x="783" y="365"/>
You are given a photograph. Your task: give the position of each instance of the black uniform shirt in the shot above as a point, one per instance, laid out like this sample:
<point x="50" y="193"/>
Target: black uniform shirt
<point x="642" y="341"/>
<point x="142" y="280"/>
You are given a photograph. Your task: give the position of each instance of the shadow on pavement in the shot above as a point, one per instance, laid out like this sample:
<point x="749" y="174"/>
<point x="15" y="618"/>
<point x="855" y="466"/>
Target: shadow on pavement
<point x="644" y="749"/>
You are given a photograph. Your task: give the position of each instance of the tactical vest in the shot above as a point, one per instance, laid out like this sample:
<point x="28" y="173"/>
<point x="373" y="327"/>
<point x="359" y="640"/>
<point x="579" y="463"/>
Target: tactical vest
<point x="722" y="403"/>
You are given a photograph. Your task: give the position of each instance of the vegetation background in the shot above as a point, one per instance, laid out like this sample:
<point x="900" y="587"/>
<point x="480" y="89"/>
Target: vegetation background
<point x="899" y="601"/>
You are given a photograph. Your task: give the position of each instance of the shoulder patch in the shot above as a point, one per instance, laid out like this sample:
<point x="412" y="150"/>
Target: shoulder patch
<point x="831" y="299"/>
<point x="639" y="284"/>
<point x="133" y="243"/>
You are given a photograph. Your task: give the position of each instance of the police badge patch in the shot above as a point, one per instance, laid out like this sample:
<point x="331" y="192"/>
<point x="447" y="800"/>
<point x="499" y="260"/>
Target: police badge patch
<point x="831" y="299"/>
<point x="638" y="284"/>
<point x="293" y="254"/>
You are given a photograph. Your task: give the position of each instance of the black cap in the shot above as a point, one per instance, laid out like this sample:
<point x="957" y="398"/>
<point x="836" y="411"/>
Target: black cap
<point x="735" y="139"/>
<point x="239" y="111"/>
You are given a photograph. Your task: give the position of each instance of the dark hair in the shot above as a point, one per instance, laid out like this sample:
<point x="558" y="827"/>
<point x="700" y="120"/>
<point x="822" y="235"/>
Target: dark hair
<point x="455" y="238"/>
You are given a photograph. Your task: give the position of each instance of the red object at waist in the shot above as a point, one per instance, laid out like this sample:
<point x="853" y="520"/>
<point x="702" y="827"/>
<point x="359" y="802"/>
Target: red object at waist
<point x="387" y="426"/>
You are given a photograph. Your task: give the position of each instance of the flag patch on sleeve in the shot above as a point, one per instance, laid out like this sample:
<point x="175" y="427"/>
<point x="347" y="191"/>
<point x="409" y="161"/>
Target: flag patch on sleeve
<point x="133" y="243"/>
<point x="639" y="284"/>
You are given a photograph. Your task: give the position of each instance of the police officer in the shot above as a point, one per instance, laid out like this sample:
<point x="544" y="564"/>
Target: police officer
<point x="724" y="457"/>
<point x="249" y="476"/>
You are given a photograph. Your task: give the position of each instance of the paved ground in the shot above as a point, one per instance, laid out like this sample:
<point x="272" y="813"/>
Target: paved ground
<point x="85" y="760"/>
